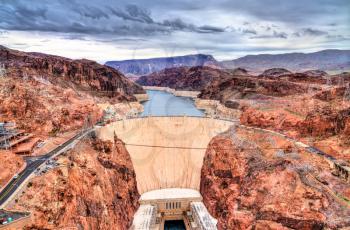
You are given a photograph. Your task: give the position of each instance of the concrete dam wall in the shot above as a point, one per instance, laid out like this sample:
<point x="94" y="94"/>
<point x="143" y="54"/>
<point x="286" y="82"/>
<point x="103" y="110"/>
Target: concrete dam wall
<point x="167" y="152"/>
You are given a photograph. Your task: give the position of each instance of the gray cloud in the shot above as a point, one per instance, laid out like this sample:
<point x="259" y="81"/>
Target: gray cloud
<point x="310" y="32"/>
<point x="249" y="31"/>
<point x="90" y="19"/>
<point x="313" y="32"/>
<point x="216" y="26"/>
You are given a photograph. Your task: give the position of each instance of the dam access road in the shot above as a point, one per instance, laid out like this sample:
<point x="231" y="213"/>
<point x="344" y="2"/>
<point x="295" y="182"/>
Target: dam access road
<point x="32" y="165"/>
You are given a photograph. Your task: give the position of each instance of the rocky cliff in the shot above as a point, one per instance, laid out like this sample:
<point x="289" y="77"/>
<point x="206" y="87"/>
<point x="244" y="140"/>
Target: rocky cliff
<point x="240" y="87"/>
<point x="93" y="188"/>
<point x="82" y="75"/>
<point x="184" y="78"/>
<point x="49" y="94"/>
<point x="140" y="67"/>
<point x="255" y="180"/>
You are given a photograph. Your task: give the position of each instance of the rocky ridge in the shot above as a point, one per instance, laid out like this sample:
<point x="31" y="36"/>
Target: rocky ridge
<point x="95" y="188"/>
<point x="246" y="185"/>
<point x="139" y="67"/>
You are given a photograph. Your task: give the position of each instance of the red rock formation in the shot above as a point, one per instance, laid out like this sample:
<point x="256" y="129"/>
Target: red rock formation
<point x="83" y="75"/>
<point x="95" y="188"/>
<point x="45" y="108"/>
<point x="241" y="87"/>
<point x="184" y="78"/>
<point x="245" y="187"/>
<point x="48" y="94"/>
<point x="326" y="121"/>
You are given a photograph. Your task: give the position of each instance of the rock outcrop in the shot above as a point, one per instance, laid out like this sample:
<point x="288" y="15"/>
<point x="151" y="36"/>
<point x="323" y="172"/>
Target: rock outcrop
<point x="240" y="87"/>
<point x="82" y="75"/>
<point x="50" y="94"/>
<point x="275" y="72"/>
<point x="246" y="185"/>
<point x="184" y="78"/>
<point x="326" y="122"/>
<point x="44" y="108"/>
<point x="139" y="67"/>
<point x="94" y="188"/>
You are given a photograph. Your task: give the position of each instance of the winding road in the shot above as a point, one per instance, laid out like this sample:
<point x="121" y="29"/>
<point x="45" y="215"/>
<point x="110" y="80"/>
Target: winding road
<point x="34" y="163"/>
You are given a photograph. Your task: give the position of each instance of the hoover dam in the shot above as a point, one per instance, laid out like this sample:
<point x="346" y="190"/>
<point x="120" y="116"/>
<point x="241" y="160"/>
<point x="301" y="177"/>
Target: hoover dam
<point x="167" y="152"/>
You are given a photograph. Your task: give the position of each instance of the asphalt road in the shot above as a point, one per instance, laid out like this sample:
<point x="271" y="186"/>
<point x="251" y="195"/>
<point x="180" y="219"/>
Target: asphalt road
<point x="32" y="165"/>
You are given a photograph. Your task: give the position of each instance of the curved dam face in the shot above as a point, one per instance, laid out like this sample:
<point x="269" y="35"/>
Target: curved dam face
<point x="167" y="152"/>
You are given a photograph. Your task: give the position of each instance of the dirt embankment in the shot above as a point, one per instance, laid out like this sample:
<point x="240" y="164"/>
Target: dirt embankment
<point x="247" y="184"/>
<point x="93" y="188"/>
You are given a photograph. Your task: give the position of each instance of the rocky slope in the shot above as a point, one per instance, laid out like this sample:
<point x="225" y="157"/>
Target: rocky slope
<point x="323" y="60"/>
<point x="94" y="188"/>
<point x="49" y="94"/>
<point x="247" y="183"/>
<point x="140" y="67"/>
<point x="184" y="78"/>
<point x="309" y="105"/>
<point x="44" y="108"/>
<point x="82" y="75"/>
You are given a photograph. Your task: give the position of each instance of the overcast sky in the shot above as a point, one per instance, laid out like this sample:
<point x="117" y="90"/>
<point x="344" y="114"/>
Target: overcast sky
<point x="104" y="30"/>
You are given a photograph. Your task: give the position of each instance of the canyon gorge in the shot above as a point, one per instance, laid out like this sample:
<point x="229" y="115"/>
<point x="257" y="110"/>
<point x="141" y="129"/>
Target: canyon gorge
<point x="249" y="167"/>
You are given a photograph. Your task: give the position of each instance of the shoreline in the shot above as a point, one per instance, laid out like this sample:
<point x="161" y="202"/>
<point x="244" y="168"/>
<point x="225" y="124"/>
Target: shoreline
<point x="211" y="108"/>
<point x="177" y="93"/>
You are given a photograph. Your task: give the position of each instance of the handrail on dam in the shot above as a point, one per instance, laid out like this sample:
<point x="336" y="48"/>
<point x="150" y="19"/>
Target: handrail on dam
<point x="203" y="117"/>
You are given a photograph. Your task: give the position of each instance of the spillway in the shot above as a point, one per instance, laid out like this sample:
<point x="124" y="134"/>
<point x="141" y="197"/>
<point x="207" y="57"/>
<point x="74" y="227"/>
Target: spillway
<point x="167" y="152"/>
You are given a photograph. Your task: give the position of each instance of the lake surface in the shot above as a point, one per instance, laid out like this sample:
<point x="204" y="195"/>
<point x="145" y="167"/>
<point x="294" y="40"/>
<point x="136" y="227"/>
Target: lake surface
<point x="162" y="103"/>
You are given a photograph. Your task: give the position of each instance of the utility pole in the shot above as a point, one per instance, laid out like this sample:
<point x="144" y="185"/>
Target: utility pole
<point x="2" y="71"/>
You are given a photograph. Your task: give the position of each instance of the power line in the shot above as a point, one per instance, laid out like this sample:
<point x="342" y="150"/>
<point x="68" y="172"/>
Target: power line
<point x="200" y="148"/>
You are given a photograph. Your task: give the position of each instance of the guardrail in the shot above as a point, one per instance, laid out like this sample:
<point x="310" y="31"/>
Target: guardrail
<point x="203" y="117"/>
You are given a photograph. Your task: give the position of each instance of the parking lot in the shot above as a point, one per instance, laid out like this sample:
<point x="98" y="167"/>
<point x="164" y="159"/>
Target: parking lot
<point x="50" y="164"/>
<point x="7" y="217"/>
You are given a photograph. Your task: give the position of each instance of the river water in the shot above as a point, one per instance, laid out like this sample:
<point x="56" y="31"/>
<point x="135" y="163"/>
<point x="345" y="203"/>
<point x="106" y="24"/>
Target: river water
<point x="162" y="103"/>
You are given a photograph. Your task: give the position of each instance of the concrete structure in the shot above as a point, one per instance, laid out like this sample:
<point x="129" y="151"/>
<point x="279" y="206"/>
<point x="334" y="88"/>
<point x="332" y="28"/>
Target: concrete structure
<point x="167" y="152"/>
<point x="163" y="205"/>
<point x="202" y="219"/>
<point x="145" y="218"/>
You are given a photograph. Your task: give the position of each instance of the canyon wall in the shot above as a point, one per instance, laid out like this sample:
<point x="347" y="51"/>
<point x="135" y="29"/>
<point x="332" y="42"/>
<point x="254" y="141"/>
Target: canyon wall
<point x="82" y="75"/>
<point x="246" y="185"/>
<point x="93" y="188"/>
<point x="183" y="78"/>
<point x="47" y="94"/>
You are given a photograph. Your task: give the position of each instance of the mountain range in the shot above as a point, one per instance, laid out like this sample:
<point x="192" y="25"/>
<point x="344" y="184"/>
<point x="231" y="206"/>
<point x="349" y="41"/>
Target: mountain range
<point x="140" y="67"/>
<point x="327" y="60"/>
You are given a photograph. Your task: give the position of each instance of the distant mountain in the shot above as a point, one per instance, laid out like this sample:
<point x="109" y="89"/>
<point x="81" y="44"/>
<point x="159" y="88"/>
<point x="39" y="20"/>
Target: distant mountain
<point x="138" y="67"/>
<point x="184" y="78"/>
<point x="322" y="60"/>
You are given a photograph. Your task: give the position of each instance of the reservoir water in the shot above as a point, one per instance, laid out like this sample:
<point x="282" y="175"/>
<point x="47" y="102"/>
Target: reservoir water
<point x="162" y="103"/>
